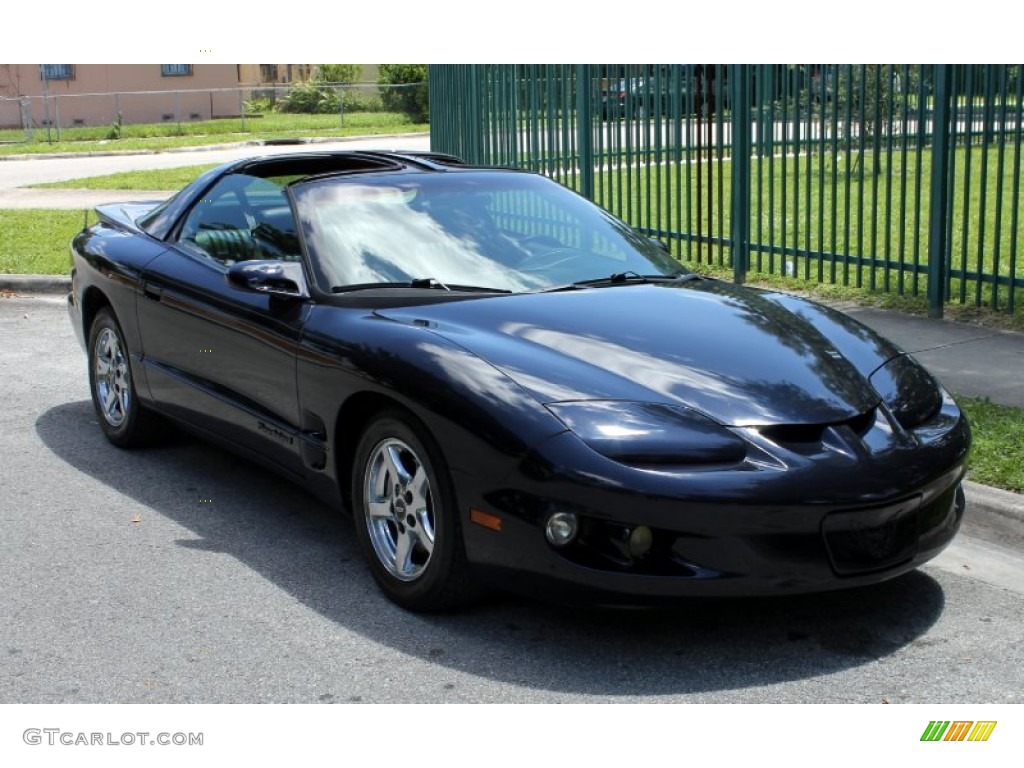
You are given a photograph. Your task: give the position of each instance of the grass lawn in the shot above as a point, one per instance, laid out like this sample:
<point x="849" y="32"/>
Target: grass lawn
<point x="997" y="458"/>
<point x="169" y="135"/>
<point x="36" y="242"/>
<point x="818" y="215"/>
<point x="164" y="178"/>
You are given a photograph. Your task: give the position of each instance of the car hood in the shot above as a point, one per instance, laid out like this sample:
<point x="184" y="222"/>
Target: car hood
<point x="741" y="356"/>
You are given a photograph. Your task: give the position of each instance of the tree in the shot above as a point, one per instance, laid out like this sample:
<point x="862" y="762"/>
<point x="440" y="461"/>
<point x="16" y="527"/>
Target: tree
<point x="403" y="88"/>
<point x="337" y="73"/>
<point x="874" y="94"/>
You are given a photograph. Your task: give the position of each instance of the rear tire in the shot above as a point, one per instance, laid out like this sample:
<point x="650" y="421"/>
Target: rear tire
<point x="123" y="419"/>
<point x="406" y="517"/>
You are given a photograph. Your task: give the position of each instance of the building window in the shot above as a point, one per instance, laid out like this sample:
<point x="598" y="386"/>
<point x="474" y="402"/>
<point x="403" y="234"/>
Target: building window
<point x="175" y="70"/>
<point x="57" y="71"/>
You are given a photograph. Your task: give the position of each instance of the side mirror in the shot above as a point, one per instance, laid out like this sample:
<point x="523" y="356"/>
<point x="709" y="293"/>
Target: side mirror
<point x="283" y="279"/>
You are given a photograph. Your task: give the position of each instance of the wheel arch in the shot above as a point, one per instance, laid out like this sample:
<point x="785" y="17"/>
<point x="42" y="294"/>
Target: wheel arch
<point x="138" y="426"/>
<point x="93" y="300"/>
<point x="352" y="419"/>
<point x="442" y="579"/>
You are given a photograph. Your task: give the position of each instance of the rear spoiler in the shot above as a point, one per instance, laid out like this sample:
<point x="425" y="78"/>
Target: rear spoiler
<point x="125" y="215"/>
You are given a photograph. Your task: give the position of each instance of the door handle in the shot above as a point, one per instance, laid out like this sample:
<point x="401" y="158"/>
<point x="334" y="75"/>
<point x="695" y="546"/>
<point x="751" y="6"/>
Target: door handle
<point x="151" y="291"/>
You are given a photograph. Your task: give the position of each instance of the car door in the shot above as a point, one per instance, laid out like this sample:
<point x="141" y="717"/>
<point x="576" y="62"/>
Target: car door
<point x="221" y="357"/>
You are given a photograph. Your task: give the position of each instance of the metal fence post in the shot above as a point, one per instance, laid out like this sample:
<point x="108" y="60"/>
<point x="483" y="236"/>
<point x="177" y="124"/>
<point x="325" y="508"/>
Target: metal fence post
<point x="584" y="131"/>
<point x="478" y="120"/>
<point x="937" y="209"/>
<point x="26" y="118"/>
<point x="46" y="109"/>
<point x="739" y="229"/>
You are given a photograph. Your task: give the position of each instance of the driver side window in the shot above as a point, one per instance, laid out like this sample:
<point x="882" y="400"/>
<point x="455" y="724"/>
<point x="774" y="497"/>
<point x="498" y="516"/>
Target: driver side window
<point x="240" y="219"/>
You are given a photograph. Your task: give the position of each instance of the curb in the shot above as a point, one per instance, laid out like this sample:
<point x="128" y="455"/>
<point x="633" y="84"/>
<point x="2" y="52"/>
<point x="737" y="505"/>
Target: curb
<point x="995" y="501"/>
<point x="28" y="284"/>
<point x="209" y="147"/>
<point x="122" y="152"/>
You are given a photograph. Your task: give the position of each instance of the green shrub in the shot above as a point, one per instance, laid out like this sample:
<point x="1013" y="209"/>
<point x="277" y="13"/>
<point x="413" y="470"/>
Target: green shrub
<point x="362" y="100"/>
<point x="336" y="73"/>
<point x="309" y="99"/>
<point x="403" y="88"/>
<point x="115" y="128"/>
<point x="259" y="105"/>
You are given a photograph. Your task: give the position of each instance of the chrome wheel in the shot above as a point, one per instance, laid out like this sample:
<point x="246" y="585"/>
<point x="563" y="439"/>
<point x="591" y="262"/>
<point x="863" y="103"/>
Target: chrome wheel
<point x="399" y="509"/>
<point x="112" y="378"/>
<point x="125" y="421"/>
<point x="406" y="517"/>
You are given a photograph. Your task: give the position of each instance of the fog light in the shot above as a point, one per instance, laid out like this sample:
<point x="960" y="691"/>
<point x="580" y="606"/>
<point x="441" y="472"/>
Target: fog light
<point x="640" y="541"/>
<point x="561" y="528"/>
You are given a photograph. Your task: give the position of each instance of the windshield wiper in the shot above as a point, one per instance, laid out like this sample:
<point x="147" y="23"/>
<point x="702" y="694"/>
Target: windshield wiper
<point x="476" y="289"/>
<point x="623" y="278"/>
<point x="421" y="283"/>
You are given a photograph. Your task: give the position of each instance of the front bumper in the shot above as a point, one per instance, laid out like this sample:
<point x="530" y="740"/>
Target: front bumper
<point x="817" y="521"/>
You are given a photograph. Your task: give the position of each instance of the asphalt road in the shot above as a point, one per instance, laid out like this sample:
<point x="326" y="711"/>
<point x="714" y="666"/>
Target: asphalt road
<point x="184" y="574"/>
<point x="22" y="172"/>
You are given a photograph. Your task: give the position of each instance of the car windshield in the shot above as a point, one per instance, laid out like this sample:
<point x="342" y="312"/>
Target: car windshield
<point x="497" y="230"/>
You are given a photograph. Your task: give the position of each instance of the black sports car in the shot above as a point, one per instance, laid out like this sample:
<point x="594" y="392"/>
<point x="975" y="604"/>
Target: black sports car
<point x="505" y="384"/>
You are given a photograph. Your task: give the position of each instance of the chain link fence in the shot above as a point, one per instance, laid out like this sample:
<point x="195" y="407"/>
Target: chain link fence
<point x="56" y="117"/>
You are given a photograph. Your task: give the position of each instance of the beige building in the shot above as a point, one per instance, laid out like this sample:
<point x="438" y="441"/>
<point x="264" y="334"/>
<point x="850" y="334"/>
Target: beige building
<point x="94" y="94"/>
<point x="274" y="74"/>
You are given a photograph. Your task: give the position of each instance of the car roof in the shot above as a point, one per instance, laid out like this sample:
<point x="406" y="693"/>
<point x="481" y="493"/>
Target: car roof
<point x="160" y="221"/>
<point x="319" y="163"/>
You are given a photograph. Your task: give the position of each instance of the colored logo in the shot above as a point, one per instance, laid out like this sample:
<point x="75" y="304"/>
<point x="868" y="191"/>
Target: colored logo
<point x="958" y="730"/>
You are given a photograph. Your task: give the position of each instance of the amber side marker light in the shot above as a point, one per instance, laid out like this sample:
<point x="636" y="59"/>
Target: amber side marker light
<point x="486" y="520"/>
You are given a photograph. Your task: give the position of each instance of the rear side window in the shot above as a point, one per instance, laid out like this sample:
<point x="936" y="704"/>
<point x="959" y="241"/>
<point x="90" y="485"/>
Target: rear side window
<point x="240" y="219"/>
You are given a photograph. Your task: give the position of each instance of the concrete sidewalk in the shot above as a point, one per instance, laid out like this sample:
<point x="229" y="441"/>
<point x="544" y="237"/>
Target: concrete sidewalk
<point x="968" y="359"/>
<point x="74" y="199"/>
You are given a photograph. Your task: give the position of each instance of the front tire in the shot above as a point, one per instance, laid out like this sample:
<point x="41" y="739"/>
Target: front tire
<point x="123" y="419"/>
<point x="406" y="518"/>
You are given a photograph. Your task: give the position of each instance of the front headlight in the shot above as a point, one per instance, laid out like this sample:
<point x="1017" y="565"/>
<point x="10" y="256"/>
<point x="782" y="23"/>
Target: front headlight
<point x="650" y="433"/>
<point x="908" y="390"/>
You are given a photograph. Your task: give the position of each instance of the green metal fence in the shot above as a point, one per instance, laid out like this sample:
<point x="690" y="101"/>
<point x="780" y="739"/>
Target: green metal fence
<point x="898" y="178"/>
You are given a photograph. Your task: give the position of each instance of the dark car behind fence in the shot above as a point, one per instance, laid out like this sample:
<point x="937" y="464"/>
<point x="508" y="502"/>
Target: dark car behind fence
<point x="894" y="178"/>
